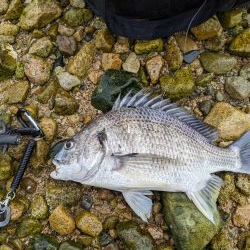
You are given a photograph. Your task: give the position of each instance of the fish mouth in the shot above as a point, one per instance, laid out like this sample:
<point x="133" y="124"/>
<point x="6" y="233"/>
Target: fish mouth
<point x="56" y="171"/>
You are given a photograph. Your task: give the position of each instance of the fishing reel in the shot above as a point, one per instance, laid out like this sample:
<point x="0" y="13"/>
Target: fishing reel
<point x="10" y="136"/>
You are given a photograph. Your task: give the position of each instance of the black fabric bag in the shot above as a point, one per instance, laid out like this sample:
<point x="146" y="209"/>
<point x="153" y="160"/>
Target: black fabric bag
<point x="149" y="19"/>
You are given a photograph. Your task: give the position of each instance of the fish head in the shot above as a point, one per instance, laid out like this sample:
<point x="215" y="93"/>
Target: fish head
<point x="79" y="157"/>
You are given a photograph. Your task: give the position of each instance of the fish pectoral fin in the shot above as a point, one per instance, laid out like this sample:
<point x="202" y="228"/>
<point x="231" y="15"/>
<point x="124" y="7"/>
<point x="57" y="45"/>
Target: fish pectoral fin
<point x="205" y="199"/>
<point x="139" y="203"/>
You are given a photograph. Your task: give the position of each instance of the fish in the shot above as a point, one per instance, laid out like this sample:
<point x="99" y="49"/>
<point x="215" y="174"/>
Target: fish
<point x="146" y="144"/>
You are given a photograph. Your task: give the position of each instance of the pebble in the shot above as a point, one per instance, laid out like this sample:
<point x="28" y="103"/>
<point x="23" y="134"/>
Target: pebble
<point x="61" y="220"/>
<point x="65" y="30"/>
<point x="17" y="209"/>
<point x="241" y="44"/>
<point x="95" y="75"/>
<point x="61" y="192"/>
<point x="66" y="45"/>
<point x="208" y="29"/>
<point x="217" y="63"/>
<point x="177" y="86"/>
<point x="219" y="96"/>
<point x="4" y="4"/>
<point x="86" y="202"/>
<point x="104" y="40"/>
<point x="88" y="223"/>
<point x="243" y="184"/>
<point x="241" y="216"/>
<point x="42" y="47"/>
<point x="39" y="14"/>
<point x="36" y="69"/>
<point x="79" y="34"/>
<point x="28" y="227"/>
<point x="8" y="29"/>
<point x="144" y="47"/>
<point x="105" y="239"/>
<point x="81" y="62"/>
<point x="111" y="61"/>
<point x="132" y="63"/>
<point x="44" y="241"/>
<point x="133" y="237"/>
<point x="245" y="71"/>
<point x="48" y="92"/>
<point x="49" y="127"/>
<point x="121" y="45"/>
<point x="230" y="121"/>
<point x="77" y="3"/>
<point x="17" y="93"/>
<point x="173" y="54"/>
<point x="204" y="79"/>
<point x="40" y="154"/>
<point x="231" y="18"/>
<point x="65" y="104"/>
<point x="70" y="245"/>
<point x="7" y="169"/>
<point x="237" y="87"/>
<point x="154" y="66"/>
<point x="65" y="79"/>
<point x="77" y="16"/>
<point x="39" y="208"/>
<point x="189" y="57"/>
<point x="29" y="185"/>
<point x="206" y="106"/>
<point x="186" y="45"/>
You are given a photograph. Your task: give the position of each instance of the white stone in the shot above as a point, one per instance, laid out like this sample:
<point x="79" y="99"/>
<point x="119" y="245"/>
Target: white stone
<point x="132" y="63"/>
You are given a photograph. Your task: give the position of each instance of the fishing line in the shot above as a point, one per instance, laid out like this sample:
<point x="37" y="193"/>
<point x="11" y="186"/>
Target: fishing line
<point x="190" y="23"/>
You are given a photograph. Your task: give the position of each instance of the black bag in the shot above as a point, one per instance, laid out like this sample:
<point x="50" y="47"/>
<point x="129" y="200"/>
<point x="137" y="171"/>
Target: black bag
<point x="150" y="19"/>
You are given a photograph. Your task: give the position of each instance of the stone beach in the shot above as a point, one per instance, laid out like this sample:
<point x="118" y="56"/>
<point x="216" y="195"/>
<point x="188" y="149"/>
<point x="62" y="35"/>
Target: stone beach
<point x="60" y="62"/>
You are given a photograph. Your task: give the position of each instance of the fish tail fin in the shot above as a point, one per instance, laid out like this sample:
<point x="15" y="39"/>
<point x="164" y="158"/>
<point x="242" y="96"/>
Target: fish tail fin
<point x="243" y="146"/>
<point x="205" y="198"/>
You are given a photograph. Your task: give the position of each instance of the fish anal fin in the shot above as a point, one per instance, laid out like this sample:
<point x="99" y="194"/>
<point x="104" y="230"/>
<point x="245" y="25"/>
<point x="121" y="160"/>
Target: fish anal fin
<point x="139" y="203"/>
<point x="205" y="198"/>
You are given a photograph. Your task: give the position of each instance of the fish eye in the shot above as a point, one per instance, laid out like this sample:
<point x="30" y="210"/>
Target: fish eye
<point x="68" y="145"/>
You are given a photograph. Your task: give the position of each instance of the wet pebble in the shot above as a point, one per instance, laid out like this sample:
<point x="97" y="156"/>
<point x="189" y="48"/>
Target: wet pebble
<point x="105" y="239"/>
<point x="28" y="185"/>
<point x="86" y="202"/>
<point x="206" y="106"/>
<point x="39" y="208"/>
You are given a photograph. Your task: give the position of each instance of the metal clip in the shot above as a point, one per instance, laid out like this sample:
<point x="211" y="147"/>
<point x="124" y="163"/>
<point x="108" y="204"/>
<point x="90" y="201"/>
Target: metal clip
<point x="5" y="209"/>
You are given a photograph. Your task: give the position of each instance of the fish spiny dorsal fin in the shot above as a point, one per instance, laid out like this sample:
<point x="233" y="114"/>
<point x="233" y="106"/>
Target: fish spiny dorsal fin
<point x="144" y="99"/>
<point x="205" y="199"/>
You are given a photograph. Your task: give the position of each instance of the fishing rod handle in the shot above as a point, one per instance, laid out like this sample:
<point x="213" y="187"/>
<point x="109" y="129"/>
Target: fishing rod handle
<point x="23" y="164"/>
<point x="6" y="139"/>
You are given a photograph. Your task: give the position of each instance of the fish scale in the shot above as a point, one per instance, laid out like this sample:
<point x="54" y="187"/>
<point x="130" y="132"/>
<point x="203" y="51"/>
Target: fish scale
<point x="147" y="143"/>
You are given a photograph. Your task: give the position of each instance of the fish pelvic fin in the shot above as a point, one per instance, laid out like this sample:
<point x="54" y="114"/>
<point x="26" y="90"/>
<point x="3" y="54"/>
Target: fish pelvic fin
<point x="242" y="145"/>
<point x="139" y="203"/>
<point x="147" y="100"/>
<point x="205" y="198"/>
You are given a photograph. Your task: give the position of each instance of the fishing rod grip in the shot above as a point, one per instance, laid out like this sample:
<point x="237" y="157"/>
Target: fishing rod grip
<point x="23" y="164"/>
<point x="9" y="139"/>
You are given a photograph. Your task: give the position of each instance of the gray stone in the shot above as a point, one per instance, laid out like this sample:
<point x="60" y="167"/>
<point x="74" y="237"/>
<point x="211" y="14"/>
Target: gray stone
<point x="237" y="87"/>
<point x="65" y="79"/>
<point x="245" y="71"/>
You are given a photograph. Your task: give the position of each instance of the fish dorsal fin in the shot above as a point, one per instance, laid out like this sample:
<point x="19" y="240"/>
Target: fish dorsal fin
<point x="139" y="203"/>
<point x="205" y="199"/>
<point x="146" y="100"/>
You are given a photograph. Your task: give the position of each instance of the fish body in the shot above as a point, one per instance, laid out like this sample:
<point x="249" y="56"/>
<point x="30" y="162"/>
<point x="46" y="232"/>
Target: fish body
<point x="145" y="144"/>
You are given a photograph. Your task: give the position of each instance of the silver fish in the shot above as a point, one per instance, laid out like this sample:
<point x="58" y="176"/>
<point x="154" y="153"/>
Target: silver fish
<point x="147" y="143"/>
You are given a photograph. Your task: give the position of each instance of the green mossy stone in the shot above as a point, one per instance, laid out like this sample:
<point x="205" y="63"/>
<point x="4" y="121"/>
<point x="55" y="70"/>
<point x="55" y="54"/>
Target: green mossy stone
<point x="231" y="18"/>
<point x="217" y="63"/>
<point x="15" y="10"/>
<point x="180" y="85"/>
<point x="65" y="104"/>
<point x="241" y="44"/>
<point x="27" y="227"/>
<point x="77" y="16"/>
<point x="6" y="118"/>
<point x="70" y="245"/>
<point x="61" y="192"/>
<point x="204" y="80"/>
<point x="190" y="229"/>
<point x="39" y="208"/>
<point x="39" y="13"/>
<point x="3" y="236"/>
<point x="18" y="92"/>
<point x="144" y="47"/>
<point x="104" y="40"/>
<point x="44" y="241"/>
<point x="41" y="47"/>
<point x="19" y="73"/>
<point x="6" y="167"/>
<point x="8" y="29"/>
<point x="111" y="84"/>
<point x="133" y="237"/>
<point x="48" y="92"/>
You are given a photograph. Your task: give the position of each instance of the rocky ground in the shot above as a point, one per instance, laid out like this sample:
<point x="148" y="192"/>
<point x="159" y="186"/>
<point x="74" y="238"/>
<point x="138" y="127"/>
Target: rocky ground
<point x="60" y="62"/>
